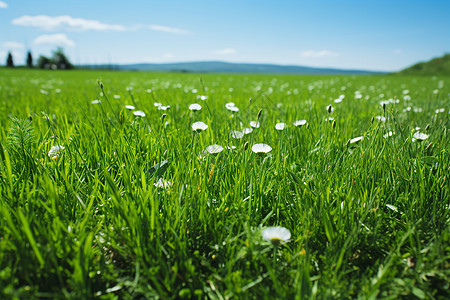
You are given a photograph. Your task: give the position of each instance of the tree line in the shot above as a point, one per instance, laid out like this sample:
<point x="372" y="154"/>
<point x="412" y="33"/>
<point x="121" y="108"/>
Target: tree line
<point x="58" y="61"/>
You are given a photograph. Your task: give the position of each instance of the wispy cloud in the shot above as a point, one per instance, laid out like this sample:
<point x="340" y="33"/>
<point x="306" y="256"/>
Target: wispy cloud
<point x="13" y="45"/>
<point x="54" y="39"/>
<point x="64" y="23"/>
<point x="69" y="23"/>
<point x="226" y="51"/>
<point x="321" y="53"/>
<point x="3" y="4"/>
<point x="167" y="29"/>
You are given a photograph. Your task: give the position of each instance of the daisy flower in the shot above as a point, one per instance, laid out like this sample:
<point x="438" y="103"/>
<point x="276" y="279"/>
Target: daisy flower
<point x="261" y="148"/>
<point x="55" y="151"/>
<point x="276" y="235"/>
<point x="199" y="126"/>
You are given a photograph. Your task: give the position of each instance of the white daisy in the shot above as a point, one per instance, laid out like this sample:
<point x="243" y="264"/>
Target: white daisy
<point x="254" y="124"/>
<point x="199" y="126"/>
<point x="55" y="151"/>
<point x="162" y="184"/>
<point x="247" y="130"/>
<point x="237" y="134"/>
<point x="390" y="133"/>
<point x="139" y="113"/>
<point x="299" y="122"/>
<point x="214" y="149"/>
<point x="276" y="235"/>
<point x="280" y="126"/>
<point x="355" y="140"/>
<point x="261" y="148"/>
<point x="419" y="136"/>
<point x="195" y="107"/>
<point x="231" y="106"/>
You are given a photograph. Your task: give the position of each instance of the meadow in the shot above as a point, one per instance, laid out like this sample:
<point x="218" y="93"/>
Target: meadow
<point x="108" y="191"/>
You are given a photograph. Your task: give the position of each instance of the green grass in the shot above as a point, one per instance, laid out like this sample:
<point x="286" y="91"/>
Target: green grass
<point x="436" y="66"/>
<point x="367" y="220"/>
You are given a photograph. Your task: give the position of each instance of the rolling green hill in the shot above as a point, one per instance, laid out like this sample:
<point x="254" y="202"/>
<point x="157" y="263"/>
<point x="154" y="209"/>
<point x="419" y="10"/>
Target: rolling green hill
<point x="436" y="66"/>
<point x="225" y="67"/>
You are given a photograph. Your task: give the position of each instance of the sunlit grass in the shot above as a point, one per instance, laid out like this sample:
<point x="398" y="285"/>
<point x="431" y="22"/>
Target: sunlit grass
<point x="112" y="185"/>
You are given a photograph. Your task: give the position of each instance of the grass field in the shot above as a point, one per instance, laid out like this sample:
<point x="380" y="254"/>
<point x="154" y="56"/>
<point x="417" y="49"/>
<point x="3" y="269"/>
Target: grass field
<point x="100" y="199"/>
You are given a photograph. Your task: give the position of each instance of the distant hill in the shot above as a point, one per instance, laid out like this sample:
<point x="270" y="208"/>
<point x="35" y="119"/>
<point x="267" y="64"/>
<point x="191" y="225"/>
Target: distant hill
<point x="436" y="66"/>
<point x="225" y="67"/>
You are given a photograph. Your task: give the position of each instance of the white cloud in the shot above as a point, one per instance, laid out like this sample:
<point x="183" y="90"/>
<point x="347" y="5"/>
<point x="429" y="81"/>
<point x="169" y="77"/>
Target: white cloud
<point x="225" y="51"/>
<point x="3" y="4"/>
<point x="167" y="29"/>
<point x="55" y="39"/>
<point x="64" y="23"/>
<point x="13" y="45"/>
<point x="69" y="23"/>
<point x="321" y="53"/>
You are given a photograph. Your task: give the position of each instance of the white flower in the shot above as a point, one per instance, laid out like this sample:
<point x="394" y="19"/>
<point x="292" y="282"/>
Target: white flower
<point x="130" y="107"/>
<point x="96" y="101"/>
<point x="299" y="123"/>
<point x="236" y="134"/>
<point x="381" y="118"/>
<point x="254" y="124"/>
<point x="391" y="207"/>
<point x="214" y="149"/>
<point x="390" y="133"/>
<point x="199" y="126"/>
<point x="55" y="151"/>
<point x="420" y="136"/>
<point x="330" y="108"/>
<point x="139" y="113"/>
<point x="116" y="96"/>
<point x="261" y="148"/>
<point x="280" y="126"/>
<point x="276" y="235"/>
<point x="195" y="107"/>
<point x="355" y="140"/>
<point x="162" y="184"/>
<point x="247" y="130"/>
<point x="230" y="106"/>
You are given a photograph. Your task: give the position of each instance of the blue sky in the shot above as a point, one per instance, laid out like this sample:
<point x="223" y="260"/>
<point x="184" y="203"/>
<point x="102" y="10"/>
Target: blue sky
<point x="370" y="35"/>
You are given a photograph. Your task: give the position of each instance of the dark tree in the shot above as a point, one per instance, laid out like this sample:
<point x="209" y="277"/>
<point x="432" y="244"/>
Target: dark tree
<point x="44" y="62"/>
<point x="57" y="61"/>
<point x="29" y="60"/>
<point x="60" y="60"/>
<point x="10" y="61"/>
